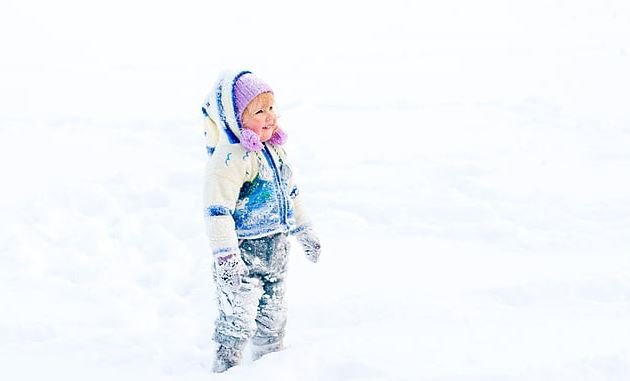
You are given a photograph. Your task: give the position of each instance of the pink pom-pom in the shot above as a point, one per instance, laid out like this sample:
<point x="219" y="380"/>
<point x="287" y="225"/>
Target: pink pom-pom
<point x="279" y="137"/>
<point x="250" y="141"/>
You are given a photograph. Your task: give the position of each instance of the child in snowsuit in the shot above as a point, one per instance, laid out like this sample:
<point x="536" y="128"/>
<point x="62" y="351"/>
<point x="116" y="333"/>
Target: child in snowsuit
<point x="251" y="206"/>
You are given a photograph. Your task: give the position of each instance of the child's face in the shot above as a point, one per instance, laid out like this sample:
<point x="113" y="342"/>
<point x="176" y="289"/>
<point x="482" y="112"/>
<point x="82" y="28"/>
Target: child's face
<point x="260" y="116"/>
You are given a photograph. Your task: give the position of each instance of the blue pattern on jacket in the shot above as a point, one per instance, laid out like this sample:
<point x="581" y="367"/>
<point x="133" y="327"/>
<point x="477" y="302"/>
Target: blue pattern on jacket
<point x="264" y="205"/>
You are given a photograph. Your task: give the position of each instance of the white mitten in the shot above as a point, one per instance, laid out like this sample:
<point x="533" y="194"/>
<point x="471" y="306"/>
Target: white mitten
<point x="230" y="270"/>
<point x="310" y="244"/>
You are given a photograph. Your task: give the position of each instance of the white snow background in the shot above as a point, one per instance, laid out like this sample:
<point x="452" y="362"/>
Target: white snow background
<point x="467" y="164"/>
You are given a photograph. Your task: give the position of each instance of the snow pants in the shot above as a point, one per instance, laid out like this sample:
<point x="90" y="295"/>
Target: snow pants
<point x="257" y="311"/>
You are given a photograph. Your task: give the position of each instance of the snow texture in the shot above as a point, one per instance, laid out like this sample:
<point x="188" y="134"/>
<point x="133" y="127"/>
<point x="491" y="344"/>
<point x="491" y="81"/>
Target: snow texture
<point x="464" y="163"/>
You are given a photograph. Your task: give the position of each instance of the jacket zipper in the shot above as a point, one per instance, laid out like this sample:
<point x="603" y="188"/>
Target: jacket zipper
<point x="281" y="199"/>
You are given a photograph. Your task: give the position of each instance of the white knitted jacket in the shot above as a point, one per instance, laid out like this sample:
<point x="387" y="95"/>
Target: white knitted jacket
<point x="246" y="194"/>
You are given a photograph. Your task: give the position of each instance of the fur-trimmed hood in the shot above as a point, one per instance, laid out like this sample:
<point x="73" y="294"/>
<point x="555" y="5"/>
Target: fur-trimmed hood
<point x="221" y="122"/>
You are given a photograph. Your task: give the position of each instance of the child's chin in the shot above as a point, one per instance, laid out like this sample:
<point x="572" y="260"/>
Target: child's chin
<point x="265" y="137"/>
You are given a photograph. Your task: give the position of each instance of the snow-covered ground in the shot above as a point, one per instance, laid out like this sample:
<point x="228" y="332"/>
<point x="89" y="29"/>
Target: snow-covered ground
<point x="467" y="166"/>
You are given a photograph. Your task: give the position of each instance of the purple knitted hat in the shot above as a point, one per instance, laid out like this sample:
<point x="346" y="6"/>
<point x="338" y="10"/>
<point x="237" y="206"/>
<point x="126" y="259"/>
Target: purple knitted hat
<point x="246" y="88"/>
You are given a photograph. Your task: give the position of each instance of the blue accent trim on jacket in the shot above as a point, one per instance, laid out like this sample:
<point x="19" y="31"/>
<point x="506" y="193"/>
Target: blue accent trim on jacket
<point x="299" y="229"/>
<point x="281" y="196"/>
<point x="218" y="210"/>
<point x="225" y="250"/>
<point x="261" y="232"/>
<point x="294" y="192"/>
<point x="230" y="135"/>
<point x="210" y="150"/>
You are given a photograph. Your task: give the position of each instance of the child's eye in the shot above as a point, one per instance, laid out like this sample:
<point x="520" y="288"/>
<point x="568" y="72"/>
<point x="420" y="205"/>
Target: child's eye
<point x="259" y="112"/>
<point x="270" y="108"/>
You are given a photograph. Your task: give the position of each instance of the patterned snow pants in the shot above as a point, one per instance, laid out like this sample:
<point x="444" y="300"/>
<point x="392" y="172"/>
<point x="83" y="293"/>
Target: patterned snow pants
<point x="257" y="311"/>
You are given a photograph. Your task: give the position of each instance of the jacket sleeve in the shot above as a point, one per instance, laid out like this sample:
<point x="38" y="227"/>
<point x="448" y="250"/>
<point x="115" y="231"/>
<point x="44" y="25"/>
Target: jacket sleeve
<point x="224" y="175"/>
<point x="302" y="220"/>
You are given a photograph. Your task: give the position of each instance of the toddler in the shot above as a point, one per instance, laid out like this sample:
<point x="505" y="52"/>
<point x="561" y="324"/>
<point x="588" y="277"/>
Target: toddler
<point x="251" y="206"/>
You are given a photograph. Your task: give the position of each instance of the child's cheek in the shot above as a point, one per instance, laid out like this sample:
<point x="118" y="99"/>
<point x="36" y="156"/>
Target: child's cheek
<point x="250" y="125"/>
<point x="256" y="127"/>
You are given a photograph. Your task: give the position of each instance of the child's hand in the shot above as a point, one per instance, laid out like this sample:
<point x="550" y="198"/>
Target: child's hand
<point x="310" y="244"/>
<point x="230" y="270"/>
